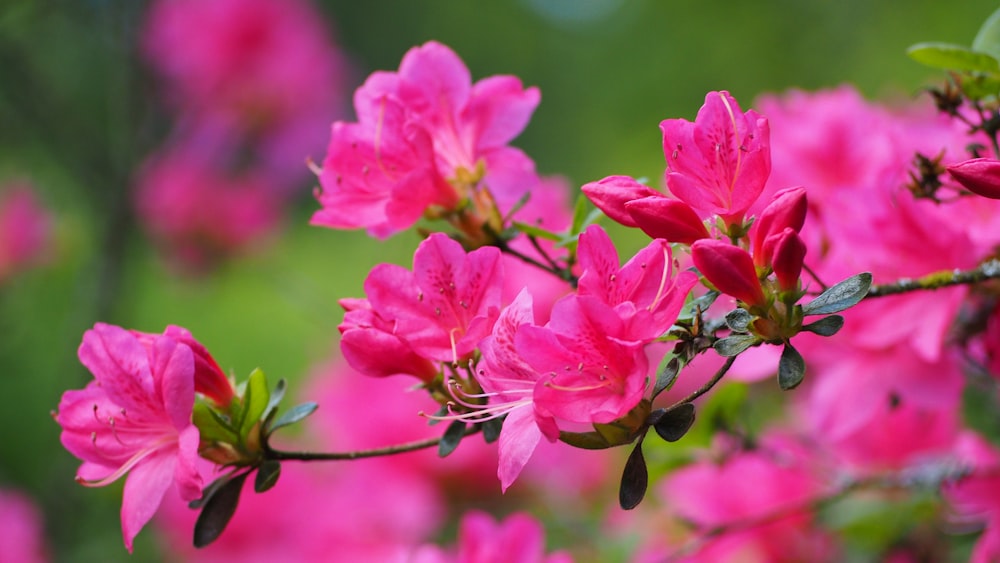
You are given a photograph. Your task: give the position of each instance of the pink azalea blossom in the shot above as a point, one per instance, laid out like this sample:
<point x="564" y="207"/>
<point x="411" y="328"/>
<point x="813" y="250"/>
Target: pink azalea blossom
<point x="25" y="228"/>
<point x="422" y="134"/>
<point x="440" y="310"/>
<point x="786" y="211"/>
<point x="519" y="538"/>
<point x="719" y="163"/>
<point x="976" y="497"/>
<point x="749" y="485"/>
<point x="21" y="522"/>
<point x="134" y="418"/>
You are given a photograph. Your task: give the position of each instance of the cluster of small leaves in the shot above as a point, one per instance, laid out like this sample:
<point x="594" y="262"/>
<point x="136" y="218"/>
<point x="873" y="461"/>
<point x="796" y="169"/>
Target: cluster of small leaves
<point x="976" y="67"/>
<point x="246" y="426"/>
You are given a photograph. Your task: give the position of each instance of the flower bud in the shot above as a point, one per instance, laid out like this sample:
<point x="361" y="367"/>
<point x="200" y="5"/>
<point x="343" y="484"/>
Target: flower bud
<point x="612" y="193"/>
<point x="786" y="210"/>
<point x="979" y="175"/>
<point x="788" y="254"/>
<point x="209" y="379"/>
<point x="729" y="268"/>
<point x="666" y="218"/>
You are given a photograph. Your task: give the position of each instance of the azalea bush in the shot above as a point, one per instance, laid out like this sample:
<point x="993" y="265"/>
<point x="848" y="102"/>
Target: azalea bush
<point x="784" y="346"/>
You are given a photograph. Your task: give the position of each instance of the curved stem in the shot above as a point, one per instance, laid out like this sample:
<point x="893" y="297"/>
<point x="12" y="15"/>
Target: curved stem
<point x="986" y="271"/>
<point x="360" y="454"/>
<point x="707" y="386"/>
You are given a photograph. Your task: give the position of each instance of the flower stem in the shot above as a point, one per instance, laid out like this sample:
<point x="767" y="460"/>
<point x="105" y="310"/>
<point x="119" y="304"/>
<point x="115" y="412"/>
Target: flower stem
<point x="360" y="454"/>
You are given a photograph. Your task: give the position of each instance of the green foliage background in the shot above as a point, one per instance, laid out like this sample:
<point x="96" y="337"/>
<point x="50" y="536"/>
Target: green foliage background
<point x="78" y="113"/>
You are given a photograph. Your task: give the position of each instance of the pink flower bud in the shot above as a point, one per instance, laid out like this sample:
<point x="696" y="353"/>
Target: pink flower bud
<point x="786" y="210"/>
<point x="729" y="268"/>
<point x="612" y="193"/>
<point x="670" y="219"/>
<point x="788" y="253"/>
<point x="979" y="175"/>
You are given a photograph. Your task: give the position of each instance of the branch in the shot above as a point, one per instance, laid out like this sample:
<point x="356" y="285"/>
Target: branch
<point x="361" y="454"/>
<point x="707" y="386"/>
<point x="986" y="271"/>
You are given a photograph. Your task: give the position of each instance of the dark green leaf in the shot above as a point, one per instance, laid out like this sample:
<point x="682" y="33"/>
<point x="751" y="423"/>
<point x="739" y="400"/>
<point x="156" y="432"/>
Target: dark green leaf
<point x="844" y="295"/>
<point x="293" y="415"/>
<point x="635" y="479"/>
<point x="733" y="345"/>
<point x="452" y="436"/>
<point x="791" y="368"/>
<point x="535" y="231"/>
<point x="267" y="475"/>
<point x="584" y="440"/>
<point x="491" y="429"/>
<point x="981" y="408"/>
<point x="988" y="38"/>
<point x="947" y="56"/>
<point x="674" y="424"/>
<point x="665" y="379"/>
<point x="739" y="320"/>
<point x="218" y="510"/>
<point x="827" y="326"/>
<point x="276" y="396"/>
<point x="210" y="490"/>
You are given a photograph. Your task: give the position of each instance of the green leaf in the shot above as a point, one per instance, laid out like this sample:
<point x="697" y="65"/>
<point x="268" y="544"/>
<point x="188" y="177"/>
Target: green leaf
<point x="211" y="425"/>
<point x="452" y="437"/>
<point x="827" y="326"/>
<point x="293" y="415"/>
<point x="255" y="400"/>
<point x="981" y="408"/>
<point x="947" y="56"/>
<point x="218" y="510"/>
<point x="791" y="368"/>
<point x="739" y="320"/>
<point x="700" y="304"/>
<point x="267" y="475"/>
<point x="210" y="490"/>
<point x="492" y="428"/>
<point x="276" y="396"/>
<point x="537" y="232"/>
<point x="988" y="38"/>
<point x="584" y="440"/>
<point x="842" y="296"/>
<point x="579" y="215"/>
<point x="635" y="479"/>
<point x="665" y="379"/>
<point x="981" y="86"/>
<point x="734" y="344"/>
<point x="674" y="424"/>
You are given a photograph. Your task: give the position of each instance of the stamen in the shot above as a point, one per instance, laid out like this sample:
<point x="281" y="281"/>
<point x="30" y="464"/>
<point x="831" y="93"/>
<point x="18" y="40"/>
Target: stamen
<point x="663" y="281"/>
<point x="127" y="466"/>
<point x="603" y="383"/>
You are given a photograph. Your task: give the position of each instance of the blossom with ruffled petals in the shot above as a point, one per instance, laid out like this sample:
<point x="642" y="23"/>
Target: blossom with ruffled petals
<point x="481" y="539"/>
<point x="424" y="140"/>
<point x="719" y="163"/>
<point x="134" y="418"/>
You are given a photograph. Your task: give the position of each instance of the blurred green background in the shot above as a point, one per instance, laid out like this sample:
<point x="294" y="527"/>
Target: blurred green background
<point x="78" y="113"/>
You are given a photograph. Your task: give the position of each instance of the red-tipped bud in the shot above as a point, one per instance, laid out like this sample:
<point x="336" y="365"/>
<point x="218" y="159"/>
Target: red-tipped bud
<point x="788" y="253"/>
<point x="209" y="379"/>
<point x="786" y="211"/>
<point x="666" y="218"/>
<point x="980" y="176"/>
<point x="612" y="193"/>
<point x="729" y="268"/>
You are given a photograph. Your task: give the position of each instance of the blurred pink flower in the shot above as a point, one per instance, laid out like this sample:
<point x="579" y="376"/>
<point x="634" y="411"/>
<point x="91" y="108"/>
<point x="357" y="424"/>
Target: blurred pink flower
<point x="21" y="522"/>
<point x="198" y="210"/>
<point x="976" y="497"/>
<point x="421" y="136"/>
<point x="25" y="228"/>
<point x="134" y="418"/>
<point x="519" y="538"/>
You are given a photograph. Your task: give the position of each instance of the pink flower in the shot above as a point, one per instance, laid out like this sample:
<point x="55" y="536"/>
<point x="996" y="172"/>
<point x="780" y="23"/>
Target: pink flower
<point x="371" y="346"/>
<point x="980" y="175"/>
<point x="198" y="211"/>
<point x="748" y="486"/>
<point x="786" y="211"/>
<point x="481" y="539"/>
<point x="25" y="228"/>
<point x="421" y="137"/>
<point x="643" y="292"/>
<point x="977" y="496"/>
<point x="441" y="309"/>
<point x="720" y="163"/>
<point x="729" y="268"/>
<point x="611" y="195"/>
<point x="134" y="418"/>
<point x="21" y="522"/>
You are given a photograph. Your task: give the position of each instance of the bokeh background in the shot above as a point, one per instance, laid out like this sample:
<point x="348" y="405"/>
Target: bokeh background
<point x="81" y="109"/>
